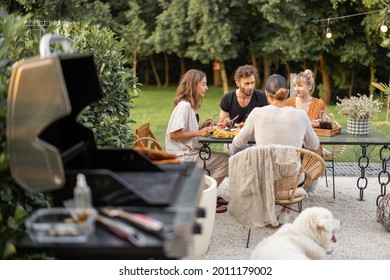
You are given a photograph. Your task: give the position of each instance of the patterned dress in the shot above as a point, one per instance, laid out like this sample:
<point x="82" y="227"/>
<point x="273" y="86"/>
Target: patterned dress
<point x="317" y="106"/>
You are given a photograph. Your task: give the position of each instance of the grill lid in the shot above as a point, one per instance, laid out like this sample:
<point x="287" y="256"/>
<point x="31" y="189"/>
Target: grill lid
<point x="44" y="139"/>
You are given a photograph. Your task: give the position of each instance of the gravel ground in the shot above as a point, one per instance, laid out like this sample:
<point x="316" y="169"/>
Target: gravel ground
<point x="360" y="237"/>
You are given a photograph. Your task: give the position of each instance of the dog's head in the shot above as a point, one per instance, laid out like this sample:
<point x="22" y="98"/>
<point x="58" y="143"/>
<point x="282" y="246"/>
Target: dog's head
<point x="320" y="225"/>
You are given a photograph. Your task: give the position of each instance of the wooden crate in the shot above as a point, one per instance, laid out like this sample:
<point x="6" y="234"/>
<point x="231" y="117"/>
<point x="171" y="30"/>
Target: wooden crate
<point x="327" y="132"/>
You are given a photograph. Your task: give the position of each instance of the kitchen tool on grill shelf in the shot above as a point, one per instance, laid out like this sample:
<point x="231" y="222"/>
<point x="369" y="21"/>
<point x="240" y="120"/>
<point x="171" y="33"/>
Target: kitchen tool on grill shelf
<point x="48" y="148"/>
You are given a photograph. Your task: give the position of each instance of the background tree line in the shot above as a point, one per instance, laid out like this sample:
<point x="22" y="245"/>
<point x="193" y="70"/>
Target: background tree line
<point x="164" y="38"/>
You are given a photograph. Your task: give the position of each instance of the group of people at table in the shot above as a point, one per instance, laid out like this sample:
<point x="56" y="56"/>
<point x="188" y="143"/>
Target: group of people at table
<point x="270" y="118"/>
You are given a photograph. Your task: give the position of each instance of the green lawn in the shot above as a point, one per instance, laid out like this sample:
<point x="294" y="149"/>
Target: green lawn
<point x="155" y="105"/>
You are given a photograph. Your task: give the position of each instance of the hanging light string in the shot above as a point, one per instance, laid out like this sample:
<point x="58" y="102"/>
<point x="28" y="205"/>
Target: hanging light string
<point x="348" y="16"/>
<point x="383" y="27"/>
<point x="384" y="22"/>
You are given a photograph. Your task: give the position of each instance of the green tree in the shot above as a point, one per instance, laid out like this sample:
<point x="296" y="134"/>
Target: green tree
<point x="212" y="34"/>
<point x="134" y="32"/>
<point x="172" y="30"/>
<point x="95" y="12"/>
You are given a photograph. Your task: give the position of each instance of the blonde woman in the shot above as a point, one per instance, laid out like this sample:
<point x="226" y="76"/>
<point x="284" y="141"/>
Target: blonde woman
<point x="183" y="131"/>
<point x="304" y="86"/>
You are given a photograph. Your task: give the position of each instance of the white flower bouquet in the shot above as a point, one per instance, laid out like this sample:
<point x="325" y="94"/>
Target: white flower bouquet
<point x="359" y="107"/>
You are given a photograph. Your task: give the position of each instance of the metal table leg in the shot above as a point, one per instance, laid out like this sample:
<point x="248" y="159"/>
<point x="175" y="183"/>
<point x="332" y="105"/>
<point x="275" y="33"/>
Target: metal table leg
<point x="205" y="154"/>
<point x="363" y="162"/>
<point x="384" y="175"/>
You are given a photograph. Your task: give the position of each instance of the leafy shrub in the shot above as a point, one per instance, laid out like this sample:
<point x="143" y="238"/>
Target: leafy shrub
<point x="108" y="119"/>
<point x="16" y="42"/>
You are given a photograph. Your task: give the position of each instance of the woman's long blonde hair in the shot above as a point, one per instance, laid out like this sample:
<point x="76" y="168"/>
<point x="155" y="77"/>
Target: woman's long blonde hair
<point x="186" y="89"/>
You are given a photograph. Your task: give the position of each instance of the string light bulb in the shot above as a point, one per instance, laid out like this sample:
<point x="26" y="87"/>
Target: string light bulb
<point x="384" y="26"/>
<point x="328" y="32"/>
<point x="384" y="22"/>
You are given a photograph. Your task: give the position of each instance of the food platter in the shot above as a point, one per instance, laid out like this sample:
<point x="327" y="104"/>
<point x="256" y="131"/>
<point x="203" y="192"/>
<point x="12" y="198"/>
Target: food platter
<point x="222" y="131"/>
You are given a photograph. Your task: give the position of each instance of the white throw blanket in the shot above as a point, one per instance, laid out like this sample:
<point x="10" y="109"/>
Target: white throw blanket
<point x="252" y="173"/>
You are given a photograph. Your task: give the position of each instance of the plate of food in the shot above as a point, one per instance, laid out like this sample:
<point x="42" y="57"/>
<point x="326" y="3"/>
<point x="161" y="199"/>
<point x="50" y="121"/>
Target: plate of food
<point x="220" y="130"/>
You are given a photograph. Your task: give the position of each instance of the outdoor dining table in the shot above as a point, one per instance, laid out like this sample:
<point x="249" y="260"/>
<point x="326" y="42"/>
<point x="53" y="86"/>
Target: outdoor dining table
<point x="372" y="139"/>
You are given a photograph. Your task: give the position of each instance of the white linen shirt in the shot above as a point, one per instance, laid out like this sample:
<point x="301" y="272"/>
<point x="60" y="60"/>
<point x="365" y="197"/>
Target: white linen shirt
<point x="183" y="117"/>
<point x="274" y="125"/>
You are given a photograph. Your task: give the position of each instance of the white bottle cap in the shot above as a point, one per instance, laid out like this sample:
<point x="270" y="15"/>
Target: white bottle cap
<point x="81" y="181"/>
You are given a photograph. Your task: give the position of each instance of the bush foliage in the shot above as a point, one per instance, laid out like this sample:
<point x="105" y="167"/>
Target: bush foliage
<point x="108" y="118"/>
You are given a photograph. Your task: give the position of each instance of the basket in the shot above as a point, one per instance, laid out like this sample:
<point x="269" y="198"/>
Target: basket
<point x="383" y="211"/>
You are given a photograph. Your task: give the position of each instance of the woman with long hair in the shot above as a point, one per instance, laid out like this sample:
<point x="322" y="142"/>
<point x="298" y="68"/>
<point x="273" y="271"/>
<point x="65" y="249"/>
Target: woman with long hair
<point x="183" y="131"/>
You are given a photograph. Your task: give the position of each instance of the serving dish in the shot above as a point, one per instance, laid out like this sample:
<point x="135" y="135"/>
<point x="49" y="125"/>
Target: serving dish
<point x="61" y="225"/>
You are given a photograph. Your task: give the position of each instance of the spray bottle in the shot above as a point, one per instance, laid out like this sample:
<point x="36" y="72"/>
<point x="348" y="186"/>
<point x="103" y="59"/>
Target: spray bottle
<point x="82" y="194"/>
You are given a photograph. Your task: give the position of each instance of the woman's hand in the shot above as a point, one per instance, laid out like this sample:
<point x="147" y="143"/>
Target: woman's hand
<point x="315" y="123"/>
<point x="208" y="122"/>
<point x="206" y="131"/>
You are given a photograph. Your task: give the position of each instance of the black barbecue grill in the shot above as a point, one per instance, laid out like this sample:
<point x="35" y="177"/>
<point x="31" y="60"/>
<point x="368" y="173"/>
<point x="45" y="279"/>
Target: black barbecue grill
<point x="48" y="148"/>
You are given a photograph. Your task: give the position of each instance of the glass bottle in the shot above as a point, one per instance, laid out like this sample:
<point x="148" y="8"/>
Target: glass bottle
<point x="82" y="193"/>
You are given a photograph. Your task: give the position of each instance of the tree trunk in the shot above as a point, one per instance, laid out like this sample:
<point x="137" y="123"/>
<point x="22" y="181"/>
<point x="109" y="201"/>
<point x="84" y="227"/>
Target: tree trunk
<point x="155" y="73"/>
<point x="288" y="73"/>
<point x="315" y="69"/>
<point x="326" y="92"/>
<point x="166" y="62"/>
<point x="277" y="65"/>
<point x="224" y="78"/>
<point x="372" y="78"/>
<point x="353" y="79"/>
<point x="253" y="57"/>
<point x="304" y="65"/>
<point x="147" y="76"/>
<point x="266" y="67"/>
<point x="182" y="66"/>
<point x="217" y="79"/>
<point x="135" y="61"/>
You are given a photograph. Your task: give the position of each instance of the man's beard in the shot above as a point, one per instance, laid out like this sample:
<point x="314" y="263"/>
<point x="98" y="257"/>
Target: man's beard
<point x="247" y="94"/>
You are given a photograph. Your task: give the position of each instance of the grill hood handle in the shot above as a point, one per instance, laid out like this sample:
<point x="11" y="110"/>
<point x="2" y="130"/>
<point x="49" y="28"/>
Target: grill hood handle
<point x="47" y="39"/>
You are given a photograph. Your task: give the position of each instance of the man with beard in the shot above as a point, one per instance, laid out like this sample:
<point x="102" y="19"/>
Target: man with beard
<point x="237" y="104"/>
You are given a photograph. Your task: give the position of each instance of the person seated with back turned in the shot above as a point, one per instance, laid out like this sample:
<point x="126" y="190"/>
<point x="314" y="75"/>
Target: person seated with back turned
<point x="304" y="85"/>
<point x="183" y="131"/>
<point x="277" y="124"/>
<point x="241" y="101"/>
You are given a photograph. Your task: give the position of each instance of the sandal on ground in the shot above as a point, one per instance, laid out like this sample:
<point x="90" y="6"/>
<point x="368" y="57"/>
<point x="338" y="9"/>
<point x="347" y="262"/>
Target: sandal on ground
<point x="221" y="209"/>
<point x="221" y="201"/>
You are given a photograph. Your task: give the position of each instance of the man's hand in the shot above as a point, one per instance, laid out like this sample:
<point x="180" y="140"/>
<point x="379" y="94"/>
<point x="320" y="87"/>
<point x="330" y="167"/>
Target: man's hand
<point x="228" y="122"/>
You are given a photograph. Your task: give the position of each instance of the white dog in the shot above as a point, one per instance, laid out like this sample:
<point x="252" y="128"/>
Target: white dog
<point x="308" y="237"/>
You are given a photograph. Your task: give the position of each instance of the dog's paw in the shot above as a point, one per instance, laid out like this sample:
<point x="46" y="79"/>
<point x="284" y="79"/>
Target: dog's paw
<point x="329" y="251"/>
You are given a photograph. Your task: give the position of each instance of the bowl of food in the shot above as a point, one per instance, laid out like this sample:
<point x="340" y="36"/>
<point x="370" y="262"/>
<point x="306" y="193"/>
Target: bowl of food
<point x="61" y="225"/>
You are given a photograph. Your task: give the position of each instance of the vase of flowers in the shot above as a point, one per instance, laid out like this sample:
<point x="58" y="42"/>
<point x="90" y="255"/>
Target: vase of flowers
<point x="358" y="110"/>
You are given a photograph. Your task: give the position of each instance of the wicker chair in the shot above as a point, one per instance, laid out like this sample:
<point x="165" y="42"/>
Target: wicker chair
<point x="144" y="138"/>
<point x="286" y="189"/>
<point x="146" y="143"/>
